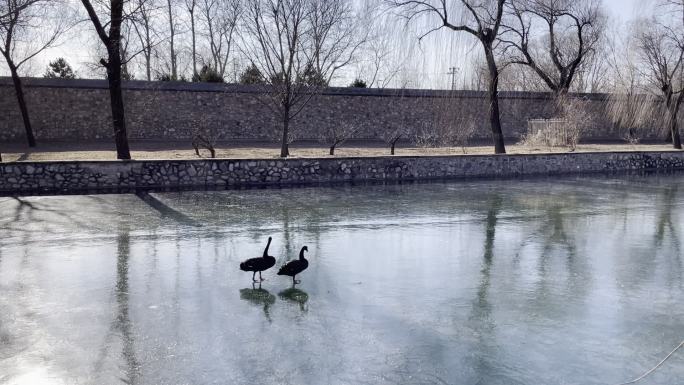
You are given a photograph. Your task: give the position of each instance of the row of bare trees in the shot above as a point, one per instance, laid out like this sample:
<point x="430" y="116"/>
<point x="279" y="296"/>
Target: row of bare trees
<point x="155" y="25"/>
<point x="295" y="47"/>
<point x="177" y="37"/>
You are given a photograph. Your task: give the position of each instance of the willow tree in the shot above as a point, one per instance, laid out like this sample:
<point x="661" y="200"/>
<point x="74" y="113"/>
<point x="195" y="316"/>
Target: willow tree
<point x="661" y="47"/>
<point x="631" y="107"/>
<point x="112" y="41"/>
<point x="481" y="19"/>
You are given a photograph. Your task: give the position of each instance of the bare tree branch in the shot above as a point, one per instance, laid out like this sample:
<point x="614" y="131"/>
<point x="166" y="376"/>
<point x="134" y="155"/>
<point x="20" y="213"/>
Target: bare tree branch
<point x="570" y="31"/>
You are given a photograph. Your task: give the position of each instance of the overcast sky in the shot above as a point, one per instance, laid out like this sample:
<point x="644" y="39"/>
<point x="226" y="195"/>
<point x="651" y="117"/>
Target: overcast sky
<point x="426" y="64"/>
<point x="625" y="9"/>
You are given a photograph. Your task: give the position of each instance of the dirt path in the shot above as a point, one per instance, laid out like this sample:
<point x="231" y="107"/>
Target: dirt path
<point x="166" y="150"/>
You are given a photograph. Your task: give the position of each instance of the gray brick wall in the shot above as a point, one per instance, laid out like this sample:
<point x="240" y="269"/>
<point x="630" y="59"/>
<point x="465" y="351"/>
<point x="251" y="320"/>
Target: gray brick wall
<point x="79" y="110"/>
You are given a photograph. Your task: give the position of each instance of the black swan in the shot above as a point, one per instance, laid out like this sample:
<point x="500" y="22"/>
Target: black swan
<point x="295" y="267"/>
<point x="259" y="264"/>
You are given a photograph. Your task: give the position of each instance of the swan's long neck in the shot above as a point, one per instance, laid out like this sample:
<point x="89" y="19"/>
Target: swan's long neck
<point x="301" y="254"/>
<point x="266" y="249"/>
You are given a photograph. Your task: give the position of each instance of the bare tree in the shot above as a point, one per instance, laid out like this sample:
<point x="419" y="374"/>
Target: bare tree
<point x="190" y="6"/>
<point x="398" y="127"/>
<point x="23" y="36"/>
<point x="220" y="19"/>
<point x="517" y="78"/>
<point x="576" y="119"/>
<point x="6" y="10"/>
<point x="482" y="20"/>
<point x="633" y="110"/>
<point x="337" y="133"/>
<point x="113" y="64"/>
<point x="170" y="8"/>
<point x="633" y="113"/>
<point x="205" y="135"/>
<point x="661" y="44"/>
<point x="277" y="33"/>
<point x="448" y="126"/>
<point x="592" y="75"/>
<point x="378" y="65"/>
<point x="392" y="137"/>
<point x="129" y="50"/>
<point x="142" y="20"/>
<point x="479" y="73"/>
<point x="200" y="141"/>
<point x="337" y="33"/>
<point x="570" y="28"/>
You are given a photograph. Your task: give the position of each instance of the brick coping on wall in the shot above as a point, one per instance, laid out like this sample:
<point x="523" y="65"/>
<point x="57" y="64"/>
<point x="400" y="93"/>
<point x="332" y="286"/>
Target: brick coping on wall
<point x="69" y="177"/>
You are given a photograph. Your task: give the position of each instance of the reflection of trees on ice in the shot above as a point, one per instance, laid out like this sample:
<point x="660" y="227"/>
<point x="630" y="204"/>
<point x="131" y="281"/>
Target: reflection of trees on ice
<point x="121" y="326"/>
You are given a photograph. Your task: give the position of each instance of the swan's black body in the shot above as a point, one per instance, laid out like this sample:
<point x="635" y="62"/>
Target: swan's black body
<point x="295" y="267"/>
<point x="259" y="264"/>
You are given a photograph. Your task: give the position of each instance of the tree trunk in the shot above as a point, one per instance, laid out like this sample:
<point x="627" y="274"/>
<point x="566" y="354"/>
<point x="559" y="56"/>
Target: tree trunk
<point x="493" y="97"/>
<point x="392" y="148"/>
<point x="116" y="98"/>
<point x="673" y="123"/>
<point x="194" y="44"/>
<point x="148" y="66"/>
<point x="672" y="103"/>
<point x="148" y="53"/>
<point x="332" y="150"/>
<point x="559" y="97"/>
<point x="19" y="91"/>
<point x="147" y="49"/>
<point x="172" y="29"/>
<point x="284" y="150"/>
<point x="668" y="104"/>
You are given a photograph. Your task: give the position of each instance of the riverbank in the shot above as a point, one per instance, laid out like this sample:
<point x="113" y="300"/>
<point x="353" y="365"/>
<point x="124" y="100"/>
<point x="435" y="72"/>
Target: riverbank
<point x="112" y="175"/>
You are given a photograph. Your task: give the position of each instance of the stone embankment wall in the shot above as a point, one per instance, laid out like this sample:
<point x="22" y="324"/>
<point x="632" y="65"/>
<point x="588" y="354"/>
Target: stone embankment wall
<point x="97" y="176"/>
<point x="80" y="110"/>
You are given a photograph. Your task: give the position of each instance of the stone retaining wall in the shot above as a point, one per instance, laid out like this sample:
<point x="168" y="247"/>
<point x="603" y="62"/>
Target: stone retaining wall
<point x="98" y="176"/>
<point x="80" y="110"/>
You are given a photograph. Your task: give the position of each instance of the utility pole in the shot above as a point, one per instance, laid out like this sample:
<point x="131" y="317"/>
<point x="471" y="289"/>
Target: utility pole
<point x="453" y="71"/>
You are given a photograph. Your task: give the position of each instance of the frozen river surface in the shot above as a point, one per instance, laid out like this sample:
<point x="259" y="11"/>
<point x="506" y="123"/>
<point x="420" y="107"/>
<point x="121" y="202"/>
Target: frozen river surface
<point x="545" y="281"/>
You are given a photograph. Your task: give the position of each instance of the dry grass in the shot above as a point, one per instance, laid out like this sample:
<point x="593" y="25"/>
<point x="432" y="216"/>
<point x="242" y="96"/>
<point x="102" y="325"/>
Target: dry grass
<point x="102" y="151"/>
